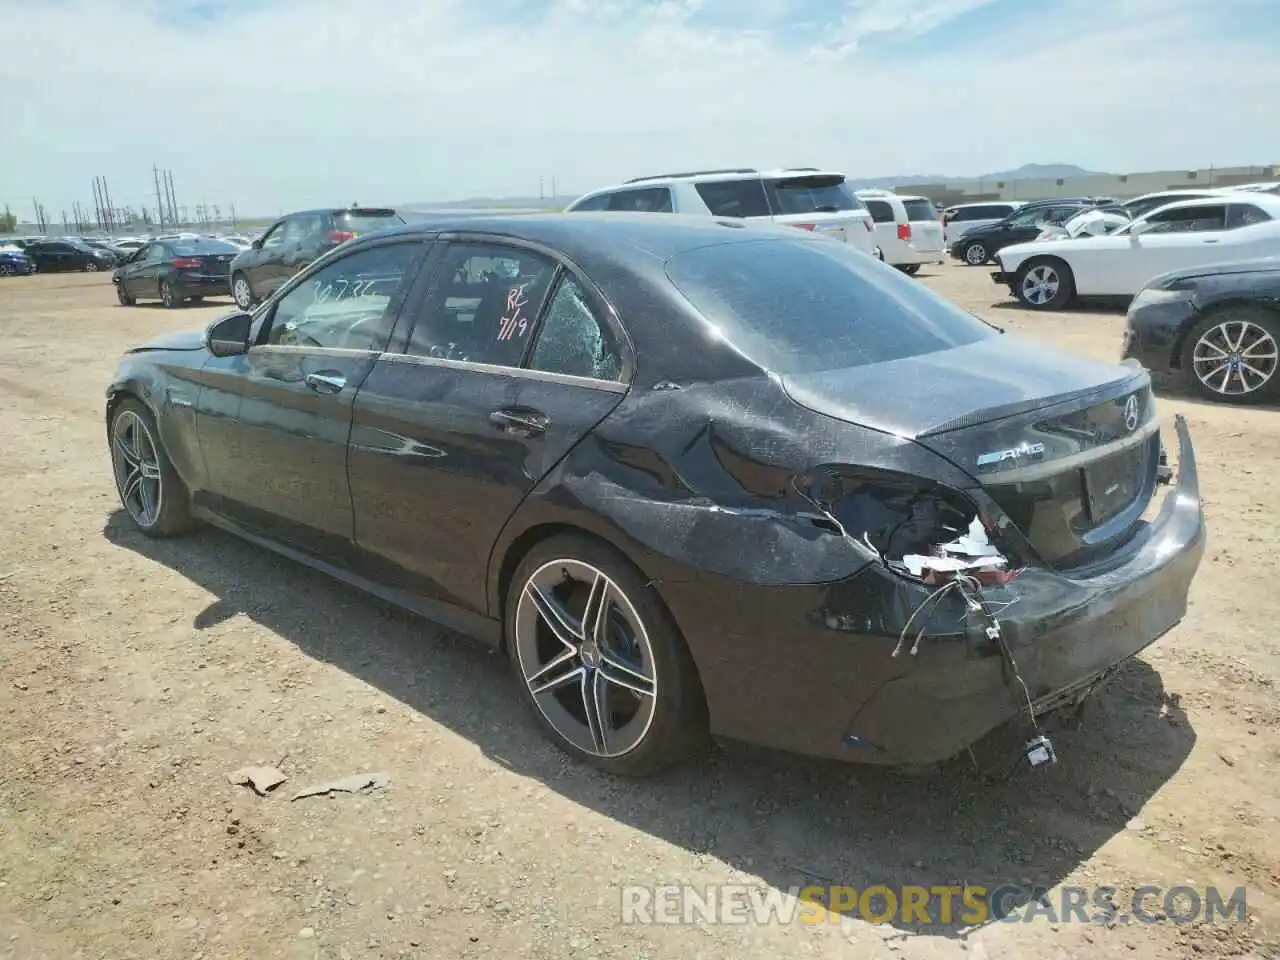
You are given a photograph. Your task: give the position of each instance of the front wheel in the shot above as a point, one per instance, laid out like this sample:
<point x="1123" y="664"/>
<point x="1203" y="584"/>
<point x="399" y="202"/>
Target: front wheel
<point x="150" y="490"/>
<point x="910" y="269"/>
<point x="123" y="296"/>
<point x="1044" y="285"/>
<point x="91" y="267"/>
<point x="241" y="292"/>
<point x="600" y="661"/>
<point x="1231" y="355"/>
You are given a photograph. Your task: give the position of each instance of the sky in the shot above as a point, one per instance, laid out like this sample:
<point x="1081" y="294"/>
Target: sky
<point x="281" y="104"/>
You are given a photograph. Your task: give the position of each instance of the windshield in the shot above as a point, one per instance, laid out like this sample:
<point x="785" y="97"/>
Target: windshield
<point x="365" y="221"/>
<point x="827" y="193"/>
<point x="202" y="248"/>
<point x="800" y="306"/>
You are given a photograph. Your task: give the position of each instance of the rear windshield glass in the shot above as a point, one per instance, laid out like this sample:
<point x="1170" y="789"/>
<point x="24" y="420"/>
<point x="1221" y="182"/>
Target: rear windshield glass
<point x="795" y="306"/>
<point x="366" y="221"/>
<point x="202" y="248"/>
<point x="920" y="210"/>
<point x="827" y="194"/>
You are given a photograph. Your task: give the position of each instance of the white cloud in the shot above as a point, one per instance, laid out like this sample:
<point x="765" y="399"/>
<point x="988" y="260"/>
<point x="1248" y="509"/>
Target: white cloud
<point x="312" y="101"/>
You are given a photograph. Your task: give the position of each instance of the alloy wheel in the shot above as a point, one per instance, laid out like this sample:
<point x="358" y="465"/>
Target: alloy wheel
<point x="137" y="468"/>
<point x="91" y="267"/>
<point x="1041" y="284"/>
<point x="975" y="255"/>
<point x="166" y="295"/>
<point x="5" y="270"/>
<point x="586" y="658"/>
<point x="1235" y="358"/>
<point x="241" y="293"/>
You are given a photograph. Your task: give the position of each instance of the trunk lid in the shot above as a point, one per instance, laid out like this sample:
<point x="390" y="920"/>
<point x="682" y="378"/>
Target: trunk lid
<point x="1069" y="448"/>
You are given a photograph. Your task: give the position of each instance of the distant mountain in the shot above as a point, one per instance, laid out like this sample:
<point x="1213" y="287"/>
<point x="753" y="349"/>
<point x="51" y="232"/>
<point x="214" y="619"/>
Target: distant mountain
<point x="1043" y="171"/>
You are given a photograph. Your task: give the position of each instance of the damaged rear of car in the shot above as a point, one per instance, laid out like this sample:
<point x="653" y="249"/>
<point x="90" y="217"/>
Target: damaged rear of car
<point x="884" y="527"/>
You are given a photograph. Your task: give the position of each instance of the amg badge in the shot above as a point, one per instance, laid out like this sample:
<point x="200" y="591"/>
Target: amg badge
<point x="1013" y="453"/>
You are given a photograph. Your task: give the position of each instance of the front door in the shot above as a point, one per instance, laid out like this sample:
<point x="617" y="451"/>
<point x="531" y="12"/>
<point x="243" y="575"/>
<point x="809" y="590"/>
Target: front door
<point x="273" y="423"/>
<point x="506" y="369"/>
<point x="143" y="276"/>
<point x="257" y="266"/>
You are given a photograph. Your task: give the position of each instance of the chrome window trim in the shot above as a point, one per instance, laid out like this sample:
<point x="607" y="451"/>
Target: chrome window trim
<point x="472" y="366"/>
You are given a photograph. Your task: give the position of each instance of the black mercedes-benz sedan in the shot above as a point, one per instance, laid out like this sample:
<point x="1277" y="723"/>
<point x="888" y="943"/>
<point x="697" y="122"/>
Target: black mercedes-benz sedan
<point x="691" y="477"/>
<point x="1216" y="328"/>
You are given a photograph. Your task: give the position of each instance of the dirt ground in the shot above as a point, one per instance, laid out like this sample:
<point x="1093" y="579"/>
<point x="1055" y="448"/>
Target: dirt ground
<point x="135" y="675"/>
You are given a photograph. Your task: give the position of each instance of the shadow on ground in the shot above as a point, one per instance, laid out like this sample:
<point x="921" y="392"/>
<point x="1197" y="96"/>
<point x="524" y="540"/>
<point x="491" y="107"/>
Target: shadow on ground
<point x="791" y="821"/>
<point x="1103" y="306"/>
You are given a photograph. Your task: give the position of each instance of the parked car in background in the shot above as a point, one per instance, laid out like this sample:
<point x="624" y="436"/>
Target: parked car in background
<point x="244" y="243"/>
<point x="1216" y="328"/>
<point x="175" y="271"/>
<point x="907" y="229"/>
<point x="629" y="452"/>
<point x="1140" y="206"/>
<point x="15" y="262"/>
<point x="127" y="247"/>
<point x="294" y="241"/>
<point x="105" y="246"/>
<point x="963" y="217"/>
<point x="980" y="244"/>
<point x="1048" y="274"/>
<point x="816" y="200"/>
<point x="1270" y="187"/>
<point x="52" y="256"/>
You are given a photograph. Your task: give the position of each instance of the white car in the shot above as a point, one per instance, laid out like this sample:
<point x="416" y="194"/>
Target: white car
<point x="907" y="229"/>
<point x="963" y="217"/>
<point x="812" y="199"/>
<point x="1047" y="274"/>
<point x="1273" y="187"/>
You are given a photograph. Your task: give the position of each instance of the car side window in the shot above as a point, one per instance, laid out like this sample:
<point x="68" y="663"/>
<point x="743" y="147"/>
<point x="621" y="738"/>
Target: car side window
<point x="881" y="211"/>
<point x="297" y="229"/>
<point x="155" y="253"/>
<point x="482" y="304"/>
<point x="646" y="200"/>
<point x="346" y="305"/>
<point x="1189" y="219"/>
<point x="1245" y="215"/>
<point x="734" y="198"/>
<point x="275" y="236"/>
<point x="572" y="340"/>
<point x="599" y="202"/>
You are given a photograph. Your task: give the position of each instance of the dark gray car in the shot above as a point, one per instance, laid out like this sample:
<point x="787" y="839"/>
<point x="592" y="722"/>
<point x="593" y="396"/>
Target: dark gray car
<point x="294" y="241"/>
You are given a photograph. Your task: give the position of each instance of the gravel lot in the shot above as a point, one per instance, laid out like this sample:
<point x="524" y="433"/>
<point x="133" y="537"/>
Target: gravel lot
<point x="135" y="675"/>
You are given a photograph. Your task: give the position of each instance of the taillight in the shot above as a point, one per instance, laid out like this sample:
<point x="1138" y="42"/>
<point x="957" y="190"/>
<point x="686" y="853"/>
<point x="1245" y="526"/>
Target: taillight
<point x="904" y="231"/>
<point x="340" y="236"/>
<point x="804" y="226"/>
<point x="186" y="263"/>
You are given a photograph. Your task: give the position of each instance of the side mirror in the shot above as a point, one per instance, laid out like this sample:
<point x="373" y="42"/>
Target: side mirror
<point x="229" y="336"/>
<point x="257" y="244"/>
<point x="1139" y="228"/>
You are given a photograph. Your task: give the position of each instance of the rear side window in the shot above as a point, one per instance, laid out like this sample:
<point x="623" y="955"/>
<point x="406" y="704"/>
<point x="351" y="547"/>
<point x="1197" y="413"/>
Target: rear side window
<point x="572" y="341"/>
<point x="817" y="194"/>
<point x="795" y="306"/>
<point x="365" y="221"/>
<point x="1199" y="219"/>
<point x="647" y="200"/>
<point x="734" y="198"/>
<point x="918" y="210"/>
<point x="1245" y="215"/>
<point x="199" y="248"/>
<point x="880" y="210"/>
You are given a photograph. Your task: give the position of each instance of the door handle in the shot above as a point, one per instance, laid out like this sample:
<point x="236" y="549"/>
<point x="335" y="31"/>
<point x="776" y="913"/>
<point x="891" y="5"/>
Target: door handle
<point x="325" y="382"/>
<point x="1210" y="240"/>
<point x="520" y="421"/>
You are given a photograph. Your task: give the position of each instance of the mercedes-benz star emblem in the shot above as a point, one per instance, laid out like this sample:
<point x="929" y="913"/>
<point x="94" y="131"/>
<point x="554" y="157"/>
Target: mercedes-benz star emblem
<point x="1131" y="413"/>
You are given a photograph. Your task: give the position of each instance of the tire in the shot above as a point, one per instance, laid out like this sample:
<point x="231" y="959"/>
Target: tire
<point x="976" y="254"/>
<point x="910" y="269"/>
<point x="91" y="266"/>
<point x="123" y="296"/>
<point x="242" y="292"/>
<point x="1045" y="283"/>
<point x="643" y="669"/>
<point x="1245" y="333"/>
<point x="199" y="299"/>
<point x="137" y="455"/>
<point x="5" y="270"/>
<point x="167" y="297"/>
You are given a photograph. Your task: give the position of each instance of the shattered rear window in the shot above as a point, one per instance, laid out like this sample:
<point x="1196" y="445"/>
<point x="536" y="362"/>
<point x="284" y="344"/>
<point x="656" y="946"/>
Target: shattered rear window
<point x="796" y="306"/>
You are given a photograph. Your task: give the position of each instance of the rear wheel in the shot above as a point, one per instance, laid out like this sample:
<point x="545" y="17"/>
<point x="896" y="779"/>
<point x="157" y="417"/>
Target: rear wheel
<point x="242" y="292"/>
<point x="5" y="270"/>
<point x="91" y="266"/>
<point x="168" y="296"/>
<point x="1044" y="284"/>
<point x="910" y="269"/>
<point x="975" y="254"/>
<point x="599" y="659"/>
<point x="123" y="296"/>
<point x="1231" y="355"/>
<point x="150" y="490"/>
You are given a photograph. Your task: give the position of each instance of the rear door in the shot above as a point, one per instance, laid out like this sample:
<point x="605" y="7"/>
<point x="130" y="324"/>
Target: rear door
<point x="273" y="423"/>
<point x="926" y="231"/>
<point x="509" y="364"/>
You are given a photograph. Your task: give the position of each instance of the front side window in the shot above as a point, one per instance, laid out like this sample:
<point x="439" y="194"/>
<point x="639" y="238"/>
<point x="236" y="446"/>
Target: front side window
<point x="571" y="339"/>
<point x="346" y="305"/>
<point x="734" y="198"/>
<point x="483" y="306"/>
<point x="796" y="306"/>
<point x="1189" y="219"/>
<point x="275" y="237"/>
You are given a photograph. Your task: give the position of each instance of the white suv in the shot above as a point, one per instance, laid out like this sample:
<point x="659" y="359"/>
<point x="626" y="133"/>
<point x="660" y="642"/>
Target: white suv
<point x="907" y="229"/>
<point x="805" y="197"/>
<point x="963" y="217"/>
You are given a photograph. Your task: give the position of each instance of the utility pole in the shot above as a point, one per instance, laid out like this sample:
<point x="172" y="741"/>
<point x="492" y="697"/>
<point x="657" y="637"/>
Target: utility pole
<point x="97" y="203"/>
<point x="155" y="173"/>
<point x="234" y="224"/>
<point x="541" y="195"/>
<point x="66" y="227"/>
<point x="111" y="217"/>
<point x="553" y="186"/>
<point x="173" y="197"/>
